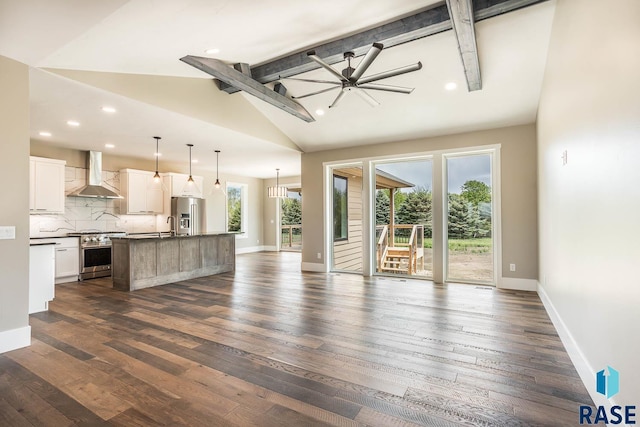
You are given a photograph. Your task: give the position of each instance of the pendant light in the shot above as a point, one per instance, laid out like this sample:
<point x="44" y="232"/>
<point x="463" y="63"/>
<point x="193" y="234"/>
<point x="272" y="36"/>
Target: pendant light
<point x="217" y="184"/>
<point x="156" y="177"/>
<point x="277" y="191"/>
<point x="190" y="181"/>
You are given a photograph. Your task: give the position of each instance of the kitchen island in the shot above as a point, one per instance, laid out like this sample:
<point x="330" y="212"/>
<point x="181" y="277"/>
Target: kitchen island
<point x="151" y="260"/>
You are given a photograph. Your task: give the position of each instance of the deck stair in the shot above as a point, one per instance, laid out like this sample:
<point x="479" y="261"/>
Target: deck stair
<point x="396" y="260"/>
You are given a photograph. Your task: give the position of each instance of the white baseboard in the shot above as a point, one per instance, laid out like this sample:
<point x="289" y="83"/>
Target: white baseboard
<point x="518" y="284"/>
<point x="14" y="339"/>
<point x="314" y="267"/>
<point x="270" y="248"/>
<point x="582" y="365"/>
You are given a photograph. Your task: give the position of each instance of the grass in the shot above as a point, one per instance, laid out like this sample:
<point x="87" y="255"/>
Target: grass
<point x="476" y="246"/>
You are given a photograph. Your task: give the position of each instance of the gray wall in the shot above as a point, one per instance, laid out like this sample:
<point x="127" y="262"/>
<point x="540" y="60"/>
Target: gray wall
<point x="14" y="176"/>
<point x="518" y="182"/>
<point x="589" y="208"/>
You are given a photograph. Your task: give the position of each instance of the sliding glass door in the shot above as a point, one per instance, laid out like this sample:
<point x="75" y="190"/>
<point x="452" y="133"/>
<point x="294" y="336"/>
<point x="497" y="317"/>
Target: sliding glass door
<point x="403" y="214"/>
<point x="469" y="218"/>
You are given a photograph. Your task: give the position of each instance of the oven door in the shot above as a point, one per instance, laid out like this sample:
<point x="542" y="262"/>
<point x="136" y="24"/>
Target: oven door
<point x="95" y="261"/>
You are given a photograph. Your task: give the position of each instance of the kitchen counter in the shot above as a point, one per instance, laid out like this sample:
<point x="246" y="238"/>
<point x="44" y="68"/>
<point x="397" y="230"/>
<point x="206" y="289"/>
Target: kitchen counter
<point x="146" y="260"/>
<point x="167" y="235"/>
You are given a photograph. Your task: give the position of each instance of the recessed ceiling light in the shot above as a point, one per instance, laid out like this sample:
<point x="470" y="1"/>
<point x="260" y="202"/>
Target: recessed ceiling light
<point x="212" y="51"/>
<point x="45" y="133"/>
<point x="73" y="123"/>
<point x="451" y="86"/>
<point x="108" y="109"/>
<point x="320" y="112"/>
<point x="109" y="145"/>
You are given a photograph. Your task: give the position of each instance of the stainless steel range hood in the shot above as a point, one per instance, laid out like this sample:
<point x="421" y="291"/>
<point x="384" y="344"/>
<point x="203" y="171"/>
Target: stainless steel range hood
<point x="94" y="187"/>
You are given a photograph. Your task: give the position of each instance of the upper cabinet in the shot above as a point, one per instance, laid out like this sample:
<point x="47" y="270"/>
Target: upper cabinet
<point x="142" y="195"/>
<point x="177" y="185"/>
<point x="46" y="185"/>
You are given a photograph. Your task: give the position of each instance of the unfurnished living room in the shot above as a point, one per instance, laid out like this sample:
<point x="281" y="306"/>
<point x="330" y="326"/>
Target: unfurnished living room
<point x="341" y="213"/>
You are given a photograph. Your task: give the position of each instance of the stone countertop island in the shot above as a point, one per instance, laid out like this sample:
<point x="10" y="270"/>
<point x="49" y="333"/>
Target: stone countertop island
<point x="156" y="259"/>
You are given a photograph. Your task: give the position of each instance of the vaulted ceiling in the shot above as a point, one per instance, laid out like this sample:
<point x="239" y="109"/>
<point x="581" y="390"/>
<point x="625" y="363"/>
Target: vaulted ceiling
<point x="125" y="54"/>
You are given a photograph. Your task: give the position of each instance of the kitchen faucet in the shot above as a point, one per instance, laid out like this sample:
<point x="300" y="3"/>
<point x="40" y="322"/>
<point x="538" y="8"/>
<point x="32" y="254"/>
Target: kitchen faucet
<point x="172" y="226"/>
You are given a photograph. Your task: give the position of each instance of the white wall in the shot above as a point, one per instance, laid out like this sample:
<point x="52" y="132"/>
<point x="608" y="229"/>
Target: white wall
<point x="589" y="209"/>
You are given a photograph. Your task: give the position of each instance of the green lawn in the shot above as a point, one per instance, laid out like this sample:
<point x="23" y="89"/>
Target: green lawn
<point x="465" y="245"/>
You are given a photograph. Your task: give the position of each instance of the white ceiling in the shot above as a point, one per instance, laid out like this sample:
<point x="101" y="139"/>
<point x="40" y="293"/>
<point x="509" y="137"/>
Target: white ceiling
<point x="149" y="37"/>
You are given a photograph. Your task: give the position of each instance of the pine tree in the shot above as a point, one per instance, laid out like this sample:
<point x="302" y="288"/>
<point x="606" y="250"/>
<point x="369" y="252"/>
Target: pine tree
<point x="382" y="207"/>
<point x="416" y="209"/>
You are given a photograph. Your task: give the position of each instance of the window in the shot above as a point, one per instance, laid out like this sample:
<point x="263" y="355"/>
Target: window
<point x="236" y="207"/>
<point x="340" y="217"/>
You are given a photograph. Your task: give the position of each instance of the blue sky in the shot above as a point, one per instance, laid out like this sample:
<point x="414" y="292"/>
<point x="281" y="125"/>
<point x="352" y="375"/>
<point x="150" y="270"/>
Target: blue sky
<point x="459" y="170"/>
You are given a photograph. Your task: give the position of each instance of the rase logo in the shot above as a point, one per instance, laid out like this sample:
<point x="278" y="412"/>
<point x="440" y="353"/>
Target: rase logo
<point x="608" y="385"/>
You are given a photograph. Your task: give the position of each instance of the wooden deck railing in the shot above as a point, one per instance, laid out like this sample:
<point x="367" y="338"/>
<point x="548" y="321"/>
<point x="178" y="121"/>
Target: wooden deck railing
<point x="289" y="233"/>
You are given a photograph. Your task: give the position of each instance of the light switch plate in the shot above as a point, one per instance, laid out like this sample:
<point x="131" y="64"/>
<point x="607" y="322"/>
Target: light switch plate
<point x="7" y="232"/>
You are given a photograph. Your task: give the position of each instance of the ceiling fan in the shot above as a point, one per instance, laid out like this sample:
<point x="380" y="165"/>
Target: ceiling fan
<point x="351" y="80"/>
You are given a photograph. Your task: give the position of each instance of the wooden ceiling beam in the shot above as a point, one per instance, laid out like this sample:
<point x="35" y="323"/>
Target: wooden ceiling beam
<point x="422" y="24"/>
<point x="462" y="21"/>
<point x="231" y="76"/>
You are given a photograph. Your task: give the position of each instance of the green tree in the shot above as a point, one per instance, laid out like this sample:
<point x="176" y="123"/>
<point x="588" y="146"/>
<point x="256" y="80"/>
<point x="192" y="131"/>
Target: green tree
<point x="416" y="209"/>
<point x="382" y="207"/>
<point x="234" y="208"/>
<point x="291" y="212"/>
<point x="476" y="192"/>
<point x="459" y="221"/>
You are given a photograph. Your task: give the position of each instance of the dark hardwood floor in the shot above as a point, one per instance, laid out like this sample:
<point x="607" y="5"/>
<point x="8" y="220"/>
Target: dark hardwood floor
<point x="270" y="346"/>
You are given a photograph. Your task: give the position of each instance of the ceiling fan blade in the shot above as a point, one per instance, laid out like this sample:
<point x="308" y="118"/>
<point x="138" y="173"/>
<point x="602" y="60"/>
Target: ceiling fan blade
<point x="391" y="73"/>
<point x="312" y="55"/>
<point x="314" y="93"/>
<point x="370" y="99"/>
<point x="387" y="88"/>
<point x="366" y="61"/>
<point x="330" y="82"/>
<point x="338" y="98"/>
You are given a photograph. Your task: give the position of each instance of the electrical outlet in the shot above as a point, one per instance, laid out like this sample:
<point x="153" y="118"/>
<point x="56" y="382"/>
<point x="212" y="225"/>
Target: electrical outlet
<point x="512" y="267"/>
<point x="8" y="232"/>
<point x="319" y="255"/>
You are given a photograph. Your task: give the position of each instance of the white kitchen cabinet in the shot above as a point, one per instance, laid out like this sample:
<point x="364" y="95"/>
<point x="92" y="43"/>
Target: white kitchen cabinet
<point x="46" y="185"/>
<point x="141" y="194"/>
<point x="41" y="277"/>
<point x="67" y="259"/>
<point x="178" y="187"/>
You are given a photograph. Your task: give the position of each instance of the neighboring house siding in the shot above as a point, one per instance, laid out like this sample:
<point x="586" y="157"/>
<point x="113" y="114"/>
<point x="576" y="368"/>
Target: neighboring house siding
<point x="347" y="254"/>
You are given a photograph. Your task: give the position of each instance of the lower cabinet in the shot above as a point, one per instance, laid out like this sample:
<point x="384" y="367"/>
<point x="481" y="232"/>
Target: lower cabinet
<point x="41" y="277"/>
<point x="67" y="259"/>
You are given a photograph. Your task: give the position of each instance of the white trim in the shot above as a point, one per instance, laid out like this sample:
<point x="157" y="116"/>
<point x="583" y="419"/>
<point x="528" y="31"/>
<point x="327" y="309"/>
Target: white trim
<point x="252" y="249"/>
<point x="580" y="362"/>
<point x="14" y="339"/>
<point x="314" y="267"/>
<point x="517" y="284"/>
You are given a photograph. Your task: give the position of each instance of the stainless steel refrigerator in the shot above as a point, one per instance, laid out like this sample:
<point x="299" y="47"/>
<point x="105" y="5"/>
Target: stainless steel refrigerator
<point x="189" y="214"/>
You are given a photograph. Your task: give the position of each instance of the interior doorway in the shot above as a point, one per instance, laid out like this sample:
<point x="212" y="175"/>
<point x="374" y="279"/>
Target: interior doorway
<point x="291" y="220"/>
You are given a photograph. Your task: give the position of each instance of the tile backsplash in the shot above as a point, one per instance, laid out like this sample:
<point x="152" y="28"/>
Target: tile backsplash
<point x="87" y="214"/>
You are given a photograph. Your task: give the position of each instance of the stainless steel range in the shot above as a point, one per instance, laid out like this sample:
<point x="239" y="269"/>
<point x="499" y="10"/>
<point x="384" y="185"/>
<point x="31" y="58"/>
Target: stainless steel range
<point x="95" y="253"/>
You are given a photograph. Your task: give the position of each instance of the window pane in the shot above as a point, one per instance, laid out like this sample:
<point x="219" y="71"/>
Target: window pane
<point x="234" y="207"/>
<point x="469" y="219"/>
<point x="340" y="219"/>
